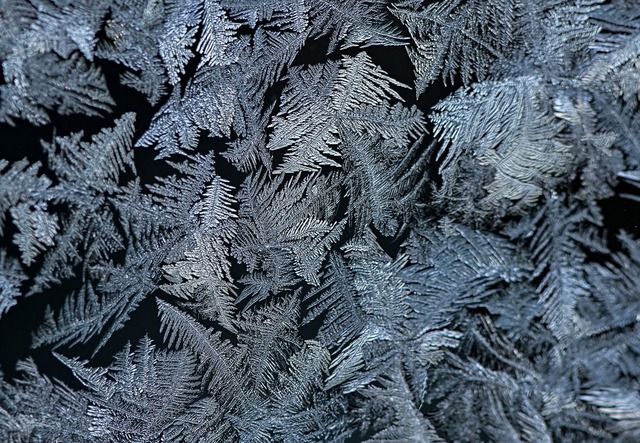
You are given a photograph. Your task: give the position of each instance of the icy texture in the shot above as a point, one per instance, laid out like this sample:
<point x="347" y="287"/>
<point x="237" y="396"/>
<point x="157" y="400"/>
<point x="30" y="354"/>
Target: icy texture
<point x="323" y="257"/>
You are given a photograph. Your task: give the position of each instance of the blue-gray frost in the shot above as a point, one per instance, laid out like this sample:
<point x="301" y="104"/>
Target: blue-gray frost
<point x="325" y="247"/>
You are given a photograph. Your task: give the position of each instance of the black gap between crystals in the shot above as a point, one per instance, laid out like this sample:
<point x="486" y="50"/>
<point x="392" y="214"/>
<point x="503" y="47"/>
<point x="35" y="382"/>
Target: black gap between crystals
<point x="621" y="214"/>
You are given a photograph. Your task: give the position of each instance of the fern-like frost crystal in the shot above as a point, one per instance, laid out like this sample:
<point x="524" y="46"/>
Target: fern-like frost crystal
<point x="319" y="221"/>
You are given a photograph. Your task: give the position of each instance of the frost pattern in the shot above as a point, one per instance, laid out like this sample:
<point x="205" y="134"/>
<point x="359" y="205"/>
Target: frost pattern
<point x="317" y="252"/>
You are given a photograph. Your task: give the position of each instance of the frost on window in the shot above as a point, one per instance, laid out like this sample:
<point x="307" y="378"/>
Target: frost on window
<point x="319" y="220"/>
